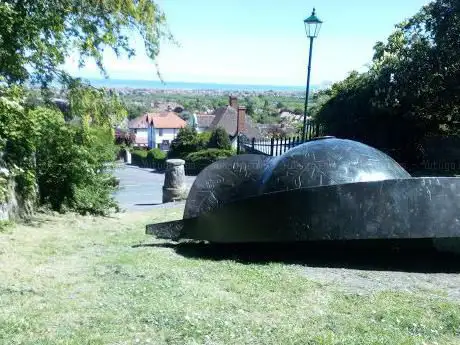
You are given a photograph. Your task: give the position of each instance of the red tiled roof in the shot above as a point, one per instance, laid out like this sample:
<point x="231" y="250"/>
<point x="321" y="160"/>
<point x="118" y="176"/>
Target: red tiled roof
<point x="159" y="120"/>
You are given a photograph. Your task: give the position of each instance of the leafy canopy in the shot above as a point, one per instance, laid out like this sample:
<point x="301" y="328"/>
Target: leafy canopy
<point x="411" y="90"/>
<point x="219" y="139"/>
<point x="36" y="36"/>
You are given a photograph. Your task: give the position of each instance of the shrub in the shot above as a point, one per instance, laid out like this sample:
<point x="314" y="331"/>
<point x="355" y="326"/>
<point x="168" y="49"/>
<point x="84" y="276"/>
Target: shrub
<point x="156" y="159"/>
<point x="140" y="152"/>
<point x="156" y="154"/>
<point x="186" y="142"/>
<point x="139" y="158"/>
<point x="71" y="164"/>
<point x="203" y="140"/>
<point x="219" y="139"/>
<point x="124" y="138"/>
<point x="197" y="161"/>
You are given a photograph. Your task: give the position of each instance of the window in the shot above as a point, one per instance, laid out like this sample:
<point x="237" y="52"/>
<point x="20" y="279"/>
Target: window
<point x="158" y="146"/>
<point x="160" y="132"/>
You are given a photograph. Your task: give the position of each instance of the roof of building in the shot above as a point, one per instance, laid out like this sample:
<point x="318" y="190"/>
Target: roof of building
<point x="204" y="120"/>
<point x="167" y="106"/>
<point x="159" y="120"/>
<point x="268" y="129"/>
<point x="226" y="117"/>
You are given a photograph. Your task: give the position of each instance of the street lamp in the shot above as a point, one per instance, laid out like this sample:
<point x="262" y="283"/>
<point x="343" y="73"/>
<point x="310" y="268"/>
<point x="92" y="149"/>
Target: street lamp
<point x="312" y="26"/>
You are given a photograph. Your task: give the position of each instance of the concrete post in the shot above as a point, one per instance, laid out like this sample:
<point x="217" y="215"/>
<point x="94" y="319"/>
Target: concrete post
<point x="127" y="157"/>
<point x="174" y="186"/>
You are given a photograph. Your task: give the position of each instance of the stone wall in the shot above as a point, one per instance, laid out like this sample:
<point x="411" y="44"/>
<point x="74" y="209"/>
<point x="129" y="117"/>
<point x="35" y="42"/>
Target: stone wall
<point x="9" y="206"/>
<point x="12" y="205"/>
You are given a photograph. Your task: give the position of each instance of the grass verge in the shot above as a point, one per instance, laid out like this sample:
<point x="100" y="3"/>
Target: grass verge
<point x="79" y="280"/>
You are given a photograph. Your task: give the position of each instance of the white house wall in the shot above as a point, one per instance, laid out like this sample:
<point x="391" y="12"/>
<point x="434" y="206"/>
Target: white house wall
<point x="142" y="136"/>
<point x="167" y="134"/>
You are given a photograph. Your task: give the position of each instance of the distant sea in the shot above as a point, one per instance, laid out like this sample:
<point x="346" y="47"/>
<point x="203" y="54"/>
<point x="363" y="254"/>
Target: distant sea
<point x="147" y="84"/>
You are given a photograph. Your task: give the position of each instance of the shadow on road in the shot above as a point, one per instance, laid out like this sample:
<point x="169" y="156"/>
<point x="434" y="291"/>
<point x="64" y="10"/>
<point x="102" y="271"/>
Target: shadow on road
<point x="407" y="256"/>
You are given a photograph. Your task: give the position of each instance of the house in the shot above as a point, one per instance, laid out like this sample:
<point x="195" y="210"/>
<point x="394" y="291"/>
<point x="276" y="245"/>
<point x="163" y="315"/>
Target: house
<point x="156" y="129"/>
<point x="277" y="130"/>
<point x="167" y="106"/>
<point x="203" y="122"/>
<point x="234" y="120"/>
<point x="288" y="117"/>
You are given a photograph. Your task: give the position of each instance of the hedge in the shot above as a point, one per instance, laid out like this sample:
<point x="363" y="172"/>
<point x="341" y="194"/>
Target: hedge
<point x="153" y="159"/>
<point x="197" y="161"/>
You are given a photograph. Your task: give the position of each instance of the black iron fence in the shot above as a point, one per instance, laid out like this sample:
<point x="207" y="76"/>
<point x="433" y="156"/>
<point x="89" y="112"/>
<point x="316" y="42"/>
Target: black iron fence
<point x="276" y="147"/>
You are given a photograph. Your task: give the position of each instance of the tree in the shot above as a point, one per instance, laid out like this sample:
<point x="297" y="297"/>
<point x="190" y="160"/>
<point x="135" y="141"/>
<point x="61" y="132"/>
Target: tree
<point x="410" y="90"/>
<point x="69" y="162"/>
<point x="219" y="139"/>
<point x="135" y="109"/>
<point x="38" y="35"/>
<point x="298" y="111"/>
<point x="186" y="142"/>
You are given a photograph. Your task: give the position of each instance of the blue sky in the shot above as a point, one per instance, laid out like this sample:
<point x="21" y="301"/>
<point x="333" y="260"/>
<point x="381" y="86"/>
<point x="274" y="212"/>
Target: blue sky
<point x="261" y="41"/>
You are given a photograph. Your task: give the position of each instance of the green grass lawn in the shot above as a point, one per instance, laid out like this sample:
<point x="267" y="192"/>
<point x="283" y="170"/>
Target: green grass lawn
<point x="78" y="280"/>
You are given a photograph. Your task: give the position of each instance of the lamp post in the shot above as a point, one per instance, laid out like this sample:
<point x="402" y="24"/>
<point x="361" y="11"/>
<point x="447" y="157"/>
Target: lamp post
<point x="312" y="27"/>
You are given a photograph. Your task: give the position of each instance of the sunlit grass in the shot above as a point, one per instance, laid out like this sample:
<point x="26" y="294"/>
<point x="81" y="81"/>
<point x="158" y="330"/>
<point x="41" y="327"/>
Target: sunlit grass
<point x="78" y="280"/>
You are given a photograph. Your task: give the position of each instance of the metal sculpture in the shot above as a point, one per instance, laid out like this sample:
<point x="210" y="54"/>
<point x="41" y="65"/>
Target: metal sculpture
<point x="326" y="189"/>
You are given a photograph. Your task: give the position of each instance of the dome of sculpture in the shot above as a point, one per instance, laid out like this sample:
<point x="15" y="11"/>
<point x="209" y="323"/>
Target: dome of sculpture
<point x="225" y="181"/>
<point x="329" y="161"/>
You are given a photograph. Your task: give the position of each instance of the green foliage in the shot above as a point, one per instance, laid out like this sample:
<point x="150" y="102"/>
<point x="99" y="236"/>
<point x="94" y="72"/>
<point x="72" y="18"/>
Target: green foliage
<point x="156" y="154"/>
<point x="67" y="163"/>
<point x="17" y="139"/>
<point x="219" y="139"/>
<point x="185" y="142"/>
<point x="71" y="164"/>
<point x="203" y="140"/>
<point x="140" y="153"/>
<point x="197" y="161"/>
<point x="156" y="158"/>
<point x="136" y="109"/>
<point x="95" y="107"/>
<point x="198" y="102"/>
<point x="41" y="33"/>
<point x="410" y="91"/>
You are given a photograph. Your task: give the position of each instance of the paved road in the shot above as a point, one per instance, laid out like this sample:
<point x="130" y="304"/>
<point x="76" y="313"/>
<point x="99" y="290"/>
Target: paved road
<point x="141" y="189"/>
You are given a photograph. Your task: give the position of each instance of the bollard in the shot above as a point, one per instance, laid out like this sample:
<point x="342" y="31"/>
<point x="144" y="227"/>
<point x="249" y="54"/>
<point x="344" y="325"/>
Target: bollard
<point x="174" y="185"/>
<point x="127" y="157"/>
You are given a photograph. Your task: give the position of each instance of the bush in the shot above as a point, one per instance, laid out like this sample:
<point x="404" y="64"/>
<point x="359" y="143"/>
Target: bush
<point x="203" y="140"/>
<point x="197" y="161"/>
<point x="186" y="142"/>
<point x="139" y="158"/>
<point x="219" y="139"/>
<point x="156" y="154"/>
<point x="156" y="159"/>
<point x="71" y="164"/>
<point x="124" y="138"/>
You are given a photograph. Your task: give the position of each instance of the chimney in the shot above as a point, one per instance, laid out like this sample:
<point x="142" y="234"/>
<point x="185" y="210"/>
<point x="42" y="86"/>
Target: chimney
<point x="241" y="120"/>
<point x="233" y="102"/>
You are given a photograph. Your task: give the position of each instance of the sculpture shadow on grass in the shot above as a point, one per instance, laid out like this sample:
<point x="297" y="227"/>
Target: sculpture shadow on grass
<point x="402" y="255"/>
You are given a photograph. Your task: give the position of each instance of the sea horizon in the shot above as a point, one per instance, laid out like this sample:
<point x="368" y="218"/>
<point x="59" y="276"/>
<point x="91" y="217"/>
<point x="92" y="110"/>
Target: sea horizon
<point x="179" y="85"/>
